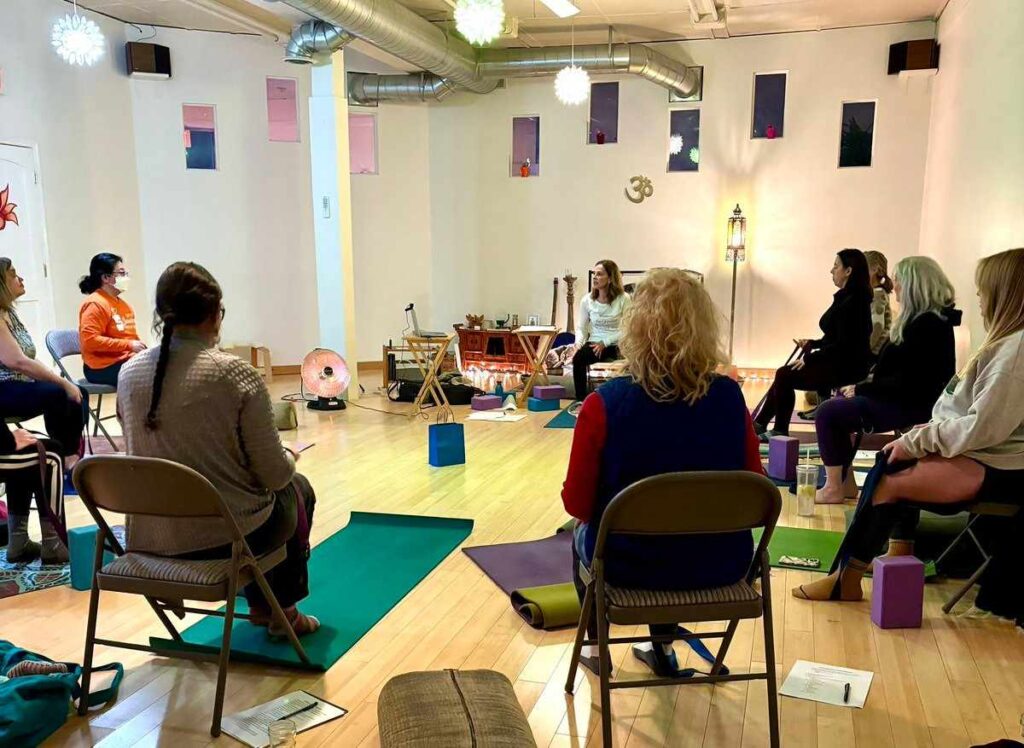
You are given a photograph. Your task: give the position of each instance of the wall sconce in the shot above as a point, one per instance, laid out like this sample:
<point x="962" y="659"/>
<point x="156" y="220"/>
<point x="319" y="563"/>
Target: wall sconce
<point x="735" y="252"/>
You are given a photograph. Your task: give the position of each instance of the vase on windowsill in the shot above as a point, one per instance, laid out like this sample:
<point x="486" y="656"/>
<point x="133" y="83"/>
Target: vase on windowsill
<point x="524" y="169"/>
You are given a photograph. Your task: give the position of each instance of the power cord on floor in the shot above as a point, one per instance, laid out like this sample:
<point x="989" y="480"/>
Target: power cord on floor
<point x="300" y="397"/>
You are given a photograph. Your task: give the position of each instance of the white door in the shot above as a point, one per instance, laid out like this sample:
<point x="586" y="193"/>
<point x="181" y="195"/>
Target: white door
<point x="23" y="239"/>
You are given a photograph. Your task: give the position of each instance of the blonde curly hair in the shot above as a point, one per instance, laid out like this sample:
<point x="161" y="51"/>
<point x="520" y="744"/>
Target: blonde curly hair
<point x="671" y="336"/>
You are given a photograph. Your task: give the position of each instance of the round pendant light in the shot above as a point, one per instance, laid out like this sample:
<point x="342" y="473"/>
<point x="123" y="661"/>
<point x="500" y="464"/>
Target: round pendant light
<point x="77" y="39"/>
<point x="480" y="21"/>
<point x="572" y="85"/>
<point x="675" y="144"/>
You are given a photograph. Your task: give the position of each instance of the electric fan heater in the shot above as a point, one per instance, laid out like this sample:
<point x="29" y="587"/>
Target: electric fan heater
<point x="325" y="374"/>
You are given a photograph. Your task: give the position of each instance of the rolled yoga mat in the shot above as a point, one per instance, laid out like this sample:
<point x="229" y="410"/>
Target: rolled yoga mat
<point x="355" y="577"/>
<point x="550" y="606"/>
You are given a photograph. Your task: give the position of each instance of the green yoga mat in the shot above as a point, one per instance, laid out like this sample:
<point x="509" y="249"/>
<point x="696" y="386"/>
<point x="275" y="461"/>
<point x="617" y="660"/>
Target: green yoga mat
<point x="552" y="606"/>
<point x="804" y="543"/>
<point x="355" y="577"/>
<point x="562" y="421"/>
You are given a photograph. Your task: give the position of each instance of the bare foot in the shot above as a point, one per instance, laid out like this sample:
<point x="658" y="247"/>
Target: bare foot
<point x="829" y="494"/>
<point x="837" y="586"/>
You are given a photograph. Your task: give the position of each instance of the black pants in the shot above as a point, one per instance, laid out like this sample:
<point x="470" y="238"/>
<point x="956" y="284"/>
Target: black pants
<point x="658" y="629"/>
<point x="581" y="362"/>
<point x="289" y="580"/>
<point x="64" y="419"/>
<point x="20" y="473"/>
<point x="107" y="375"/>
<point x="817" y="375"/>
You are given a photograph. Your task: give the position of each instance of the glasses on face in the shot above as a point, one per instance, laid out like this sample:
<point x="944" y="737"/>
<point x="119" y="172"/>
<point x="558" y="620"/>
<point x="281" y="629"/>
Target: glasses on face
<point x="223" y="311"/>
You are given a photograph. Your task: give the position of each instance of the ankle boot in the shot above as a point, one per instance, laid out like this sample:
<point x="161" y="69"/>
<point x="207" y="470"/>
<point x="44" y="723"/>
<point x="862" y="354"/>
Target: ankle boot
<point x="19" y="547"/>
<point x="53" y="549"/>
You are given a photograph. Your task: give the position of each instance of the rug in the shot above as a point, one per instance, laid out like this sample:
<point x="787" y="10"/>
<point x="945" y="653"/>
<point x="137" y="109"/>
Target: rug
<point x="562" y="421"/>
<point x="17" y="579"/>
<point x="355" y="577"/>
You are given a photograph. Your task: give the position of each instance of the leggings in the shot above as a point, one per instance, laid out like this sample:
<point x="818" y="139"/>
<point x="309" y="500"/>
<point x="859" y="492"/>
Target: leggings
<point x="107" y="375"/>
<point x="20" y="473"/>
<point x="64" y="419"/>
<point x="816" y="375"/>
<point x="581" y="362"/>
<point x="837" y="419"/>
<point x="289" y="580"/>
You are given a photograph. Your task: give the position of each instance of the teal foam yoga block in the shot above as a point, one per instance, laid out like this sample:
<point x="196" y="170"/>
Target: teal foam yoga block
<point x="81" y="547"/>
<point x="539" y="406"/>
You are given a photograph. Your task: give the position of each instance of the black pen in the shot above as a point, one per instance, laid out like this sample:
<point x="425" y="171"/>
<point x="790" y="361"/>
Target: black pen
<point x="846" y="694"/>
<point x="307" y="707"/>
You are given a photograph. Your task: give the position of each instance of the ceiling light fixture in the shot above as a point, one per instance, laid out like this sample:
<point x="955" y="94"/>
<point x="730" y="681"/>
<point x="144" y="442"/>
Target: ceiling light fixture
<point x="561" y="8"/>
<point x="480" y="21"/>
<point x="77" y="39"/>
<point x="572" y="84"/>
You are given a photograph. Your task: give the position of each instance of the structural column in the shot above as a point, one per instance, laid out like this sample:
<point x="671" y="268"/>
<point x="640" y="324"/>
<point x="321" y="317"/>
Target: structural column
<point x="332" y="212"/>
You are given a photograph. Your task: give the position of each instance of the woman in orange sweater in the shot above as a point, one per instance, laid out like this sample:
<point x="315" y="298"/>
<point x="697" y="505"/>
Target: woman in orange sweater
<point x="106" y="323"/>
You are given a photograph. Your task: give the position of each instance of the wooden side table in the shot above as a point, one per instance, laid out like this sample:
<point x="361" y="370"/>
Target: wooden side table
<point x="428" y="353"/>
<point x="536" y="341"/>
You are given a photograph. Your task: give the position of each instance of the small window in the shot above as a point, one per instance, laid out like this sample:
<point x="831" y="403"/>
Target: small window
<point x="857" y="138"/>
<point x="769" y="105"/>
<point x="282" y="110"/>
<point x="604" y="113"/>
<point x="525" y="160"/>
<point x="200" y="123"/>
<point x="684" y="140"/>
<point x="362" y="143"/>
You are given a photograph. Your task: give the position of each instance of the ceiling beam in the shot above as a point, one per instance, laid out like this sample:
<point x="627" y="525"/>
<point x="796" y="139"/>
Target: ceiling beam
<point x="246" y="15"/>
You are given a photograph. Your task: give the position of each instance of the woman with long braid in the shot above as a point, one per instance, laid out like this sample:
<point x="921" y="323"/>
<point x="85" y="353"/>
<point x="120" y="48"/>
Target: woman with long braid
<point x="189" y="402"/>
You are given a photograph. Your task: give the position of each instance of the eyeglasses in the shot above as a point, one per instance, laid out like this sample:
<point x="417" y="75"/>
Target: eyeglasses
<point x="223" y="311"/>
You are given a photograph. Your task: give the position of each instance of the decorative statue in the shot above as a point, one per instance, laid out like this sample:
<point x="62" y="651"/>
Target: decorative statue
<point x="474" y="321"/>
<point x="641" y="186"/>
<point x="569" y="279"/>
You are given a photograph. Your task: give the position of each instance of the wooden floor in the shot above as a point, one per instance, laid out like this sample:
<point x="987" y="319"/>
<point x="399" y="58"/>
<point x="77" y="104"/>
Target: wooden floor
<point x="956" y="681"/>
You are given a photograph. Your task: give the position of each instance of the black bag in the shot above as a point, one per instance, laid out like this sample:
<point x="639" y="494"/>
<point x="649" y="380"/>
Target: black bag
<point x="457" y="394"/>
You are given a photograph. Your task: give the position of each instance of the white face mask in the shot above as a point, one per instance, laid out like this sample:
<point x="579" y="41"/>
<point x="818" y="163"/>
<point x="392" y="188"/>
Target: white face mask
<point x="122" y="282"/>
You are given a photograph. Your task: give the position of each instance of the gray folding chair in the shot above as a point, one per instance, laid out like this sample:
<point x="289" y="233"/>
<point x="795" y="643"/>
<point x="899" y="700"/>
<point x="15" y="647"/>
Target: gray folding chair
<point x="146" y="486"/>
<point x="976" y="511"/>
<point x="64" y="343"/>
<point x="674" y="504"/>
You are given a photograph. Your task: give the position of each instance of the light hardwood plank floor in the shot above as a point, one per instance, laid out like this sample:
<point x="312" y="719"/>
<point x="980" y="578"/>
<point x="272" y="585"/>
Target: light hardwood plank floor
<point x="955" y="681"/>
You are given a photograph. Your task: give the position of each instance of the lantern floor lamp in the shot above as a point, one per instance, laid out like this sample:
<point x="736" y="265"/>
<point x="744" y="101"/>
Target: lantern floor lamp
<point x="735" y="253"/>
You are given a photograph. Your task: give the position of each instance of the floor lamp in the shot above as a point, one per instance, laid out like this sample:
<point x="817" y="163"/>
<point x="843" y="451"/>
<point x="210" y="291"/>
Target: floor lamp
<point x="736" y="252"/>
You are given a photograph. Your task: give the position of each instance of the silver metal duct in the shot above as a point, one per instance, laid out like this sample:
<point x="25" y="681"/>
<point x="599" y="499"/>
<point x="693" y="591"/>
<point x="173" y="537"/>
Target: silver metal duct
<point x="366" y="88"/>
<point x="601" y="58"/>
<point x="398" y="30"/>
<point x="313" y="37"/>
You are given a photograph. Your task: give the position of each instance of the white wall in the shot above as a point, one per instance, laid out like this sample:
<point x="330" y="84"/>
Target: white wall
<point x="974" y="189"/>
<point x="249" y="221"/>
<point x="498" y="241"/>
<point x="391" y="224"/>
<point x="81" y="122"/>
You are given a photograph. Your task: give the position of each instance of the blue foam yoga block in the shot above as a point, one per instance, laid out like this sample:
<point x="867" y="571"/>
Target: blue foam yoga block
<point x="539" y="406"/>
<point x="81" y="547"/>
<point x="446" y="444"/>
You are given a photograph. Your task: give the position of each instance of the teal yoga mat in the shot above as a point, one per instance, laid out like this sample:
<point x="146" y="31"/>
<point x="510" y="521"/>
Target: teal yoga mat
<point x="562" y="421"/>
<point x="355" y="577"/>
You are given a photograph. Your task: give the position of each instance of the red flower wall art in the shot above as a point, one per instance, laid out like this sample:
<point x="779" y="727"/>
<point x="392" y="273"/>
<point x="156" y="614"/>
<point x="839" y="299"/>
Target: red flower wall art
<point x="7" y="214"/>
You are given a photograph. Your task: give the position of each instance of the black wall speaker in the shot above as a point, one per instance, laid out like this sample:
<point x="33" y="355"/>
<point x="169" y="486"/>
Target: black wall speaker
<point x="148" y="60"/>
<point x="920" y="54"/>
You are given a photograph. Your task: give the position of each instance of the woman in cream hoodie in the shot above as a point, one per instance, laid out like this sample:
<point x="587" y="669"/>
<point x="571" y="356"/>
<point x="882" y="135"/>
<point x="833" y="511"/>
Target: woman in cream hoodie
<point x="973" y="447"/>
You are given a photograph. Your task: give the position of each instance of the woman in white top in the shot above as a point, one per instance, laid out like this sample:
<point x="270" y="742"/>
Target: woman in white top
<point x="597" y="329"/>
<point x="971" y="450"/>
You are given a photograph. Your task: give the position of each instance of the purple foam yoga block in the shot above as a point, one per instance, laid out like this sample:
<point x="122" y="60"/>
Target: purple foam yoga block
<point x="549" y="392"/>
<point x="783" y="455"/>
<point x="897" y="594"/>
<point x="485" y="402"/>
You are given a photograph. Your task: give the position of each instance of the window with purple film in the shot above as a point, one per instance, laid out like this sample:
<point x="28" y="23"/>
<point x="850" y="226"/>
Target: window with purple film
<point x="684" y="140"/>
<point x="857" y="138"/>
<point x="525" y="147"/>
<point x="604" y="113"/>
<point x="769" y="105"/>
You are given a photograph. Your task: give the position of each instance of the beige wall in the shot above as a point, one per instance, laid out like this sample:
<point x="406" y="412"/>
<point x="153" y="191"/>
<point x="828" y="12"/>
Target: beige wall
<point x="974" y="183"/>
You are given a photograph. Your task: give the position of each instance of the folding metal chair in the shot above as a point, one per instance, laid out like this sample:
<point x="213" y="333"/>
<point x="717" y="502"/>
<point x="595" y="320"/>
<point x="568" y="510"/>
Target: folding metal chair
<point x="64" y="343"/>
<point x="977" y="511"/>
<point x="146" y="486"/>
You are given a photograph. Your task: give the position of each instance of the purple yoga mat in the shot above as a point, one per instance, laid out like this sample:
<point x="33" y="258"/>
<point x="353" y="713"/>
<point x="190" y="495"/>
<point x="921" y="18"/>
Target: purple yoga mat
<point x="513" y="566"/>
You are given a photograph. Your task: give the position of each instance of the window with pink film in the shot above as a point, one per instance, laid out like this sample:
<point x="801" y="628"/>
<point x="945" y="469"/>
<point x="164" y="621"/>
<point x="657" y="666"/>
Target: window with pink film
<point x="283" y="110"/>
<point x="362" y="143"/>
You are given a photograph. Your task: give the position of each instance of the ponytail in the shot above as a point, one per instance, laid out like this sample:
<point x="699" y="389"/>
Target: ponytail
<point x="885" y="283"/>
<point x="100" y="265"/>
<point x="152" y="422"/>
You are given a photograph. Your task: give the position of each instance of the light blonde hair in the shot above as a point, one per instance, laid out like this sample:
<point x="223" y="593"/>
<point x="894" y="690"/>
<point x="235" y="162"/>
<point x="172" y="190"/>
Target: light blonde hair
<point x="670" y="336"/>
<point x="924" y="289"/>
<point x="1000" y="282"/>
<point x="6" y="297"/>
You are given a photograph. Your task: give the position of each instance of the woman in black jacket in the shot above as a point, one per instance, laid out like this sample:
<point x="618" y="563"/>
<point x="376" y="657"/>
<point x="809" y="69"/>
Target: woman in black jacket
<point x="911" y="372"/>
<point x="841" y="356"/>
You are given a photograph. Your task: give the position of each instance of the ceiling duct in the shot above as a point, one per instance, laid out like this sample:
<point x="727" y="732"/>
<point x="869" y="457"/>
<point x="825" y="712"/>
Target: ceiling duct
<point x="312" y="38"/>
<point x="398" y="30"/>
<point x="365" y="88"/>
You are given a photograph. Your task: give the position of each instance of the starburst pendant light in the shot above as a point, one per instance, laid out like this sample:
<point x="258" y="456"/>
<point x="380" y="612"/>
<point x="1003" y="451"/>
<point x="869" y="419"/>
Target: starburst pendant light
<point x="77" y="39"/>
<point x="480" y="21"/>
<point x="572" y="84"/>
